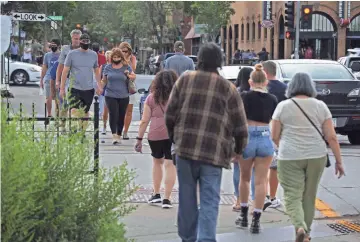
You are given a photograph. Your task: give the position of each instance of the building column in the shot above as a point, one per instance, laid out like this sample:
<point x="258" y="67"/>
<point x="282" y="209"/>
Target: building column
<point x="341" y="42"/>
<point x="276" y="42"/>
<point x="227" y="51"/>
<point x="288" y="48"/>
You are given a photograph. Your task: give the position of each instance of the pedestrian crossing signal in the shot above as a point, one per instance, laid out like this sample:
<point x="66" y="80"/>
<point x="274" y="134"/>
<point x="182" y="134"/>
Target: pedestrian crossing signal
<point x="290" y="35"/>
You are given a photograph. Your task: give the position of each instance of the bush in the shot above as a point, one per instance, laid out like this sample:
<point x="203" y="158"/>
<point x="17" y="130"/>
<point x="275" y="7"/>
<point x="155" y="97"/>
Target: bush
<point x="47" y="193"/>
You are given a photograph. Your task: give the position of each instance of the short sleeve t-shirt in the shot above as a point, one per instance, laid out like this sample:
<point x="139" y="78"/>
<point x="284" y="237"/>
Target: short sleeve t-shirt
<point x="299" y="139"/>
<point x="157" y="130"/>
<point x="53" y="70"/>
<point x="116" y="86"/>
<point x="82" y="64"/>
<point x="49" y="60"/>
<point x="64" y="52"/>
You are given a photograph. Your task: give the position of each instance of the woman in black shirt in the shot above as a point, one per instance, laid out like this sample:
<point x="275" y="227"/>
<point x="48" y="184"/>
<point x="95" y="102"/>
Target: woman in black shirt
<point x="259" y="107"/>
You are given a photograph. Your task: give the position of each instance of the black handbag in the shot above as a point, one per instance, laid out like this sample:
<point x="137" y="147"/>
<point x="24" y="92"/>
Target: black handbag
<point x="328" y="163"/>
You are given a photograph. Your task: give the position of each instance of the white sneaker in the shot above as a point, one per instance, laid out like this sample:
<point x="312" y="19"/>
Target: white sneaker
<point x="267" y="203"/>
<point x="115" y="139"/>
<point x="103" y="131"/>
<point x="275" y="203"/>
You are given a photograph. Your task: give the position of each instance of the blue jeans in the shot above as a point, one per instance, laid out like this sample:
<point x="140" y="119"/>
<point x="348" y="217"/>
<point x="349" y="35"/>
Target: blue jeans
<point x="236" y="181"/>
<point x="198" y="224"/>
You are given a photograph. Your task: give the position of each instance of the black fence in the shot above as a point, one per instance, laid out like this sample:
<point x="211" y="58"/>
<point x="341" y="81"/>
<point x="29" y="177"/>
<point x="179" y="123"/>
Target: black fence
<point x="46" y="122"/>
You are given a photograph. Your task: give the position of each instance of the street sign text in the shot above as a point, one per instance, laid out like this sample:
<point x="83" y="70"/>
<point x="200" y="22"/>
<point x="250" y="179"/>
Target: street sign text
<point x="39" y="17"/>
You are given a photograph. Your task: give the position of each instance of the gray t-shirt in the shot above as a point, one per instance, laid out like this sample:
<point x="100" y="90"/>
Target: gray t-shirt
<point x="82" y="64"/>
<point x="299" y="139"/>
<point x="49" y="60"/>
<point x="116" y="86"/>
<point x="64" y="52"/>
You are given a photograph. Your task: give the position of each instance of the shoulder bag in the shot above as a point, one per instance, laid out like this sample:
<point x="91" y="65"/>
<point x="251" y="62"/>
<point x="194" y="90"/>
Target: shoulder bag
<point x="131" y="85"/>
<point x="328" y="163"/>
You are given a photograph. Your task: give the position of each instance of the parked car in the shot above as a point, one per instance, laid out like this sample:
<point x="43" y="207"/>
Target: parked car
<point x="231" y="72"/>
<point x="143" y="97"/>
<point x="22" y="73"/>
<point x="336" y="85"/>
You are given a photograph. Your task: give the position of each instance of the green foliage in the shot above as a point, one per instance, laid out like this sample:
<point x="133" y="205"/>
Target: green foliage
<point x="47" y="193"/>
<point x="214" y="14"/>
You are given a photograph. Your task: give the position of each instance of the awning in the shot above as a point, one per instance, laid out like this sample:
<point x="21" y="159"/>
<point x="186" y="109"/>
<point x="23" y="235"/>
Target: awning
<point x="192" y="35"/>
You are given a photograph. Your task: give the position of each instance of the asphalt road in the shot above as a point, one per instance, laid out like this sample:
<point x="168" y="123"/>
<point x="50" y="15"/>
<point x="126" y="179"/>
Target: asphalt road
<point x="340" y="196"/>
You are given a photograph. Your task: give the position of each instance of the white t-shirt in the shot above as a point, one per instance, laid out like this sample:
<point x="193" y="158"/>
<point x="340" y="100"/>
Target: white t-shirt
<point x="299" y="139"/>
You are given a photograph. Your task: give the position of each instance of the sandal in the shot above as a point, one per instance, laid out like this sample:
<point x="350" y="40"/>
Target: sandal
<point x="300" y="235"/>
<point x="236" y="208"/>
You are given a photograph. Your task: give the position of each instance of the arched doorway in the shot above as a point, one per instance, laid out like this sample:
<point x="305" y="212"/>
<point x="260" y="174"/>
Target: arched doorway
<point x="230" y="44"/>
<point x="321" y="36"/>
<point x="353" y="33"/>
<point x="281" y="38"/>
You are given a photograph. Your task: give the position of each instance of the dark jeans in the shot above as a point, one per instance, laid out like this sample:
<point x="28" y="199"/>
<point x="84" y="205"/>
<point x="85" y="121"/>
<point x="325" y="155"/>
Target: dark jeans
<point x="14" y="57"/>
<point x="198" y="224"/>
<point x="117" y="110"/>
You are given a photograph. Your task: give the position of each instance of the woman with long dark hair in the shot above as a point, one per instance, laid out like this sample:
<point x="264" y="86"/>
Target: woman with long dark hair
<point x="160" y="144"/>
<point x="116" y="76"/>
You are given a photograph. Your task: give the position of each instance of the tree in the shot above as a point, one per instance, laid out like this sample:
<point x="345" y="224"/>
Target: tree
<point x="133" y="23"/>
<point x="213" y="15"/>
<point x="156" y="14"/>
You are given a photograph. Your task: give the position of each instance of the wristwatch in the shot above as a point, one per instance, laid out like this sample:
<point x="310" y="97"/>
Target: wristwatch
<point x="138" y="138"/>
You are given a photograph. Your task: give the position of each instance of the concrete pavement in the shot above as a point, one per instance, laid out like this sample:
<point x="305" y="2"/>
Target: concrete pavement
<point x="338" y="200"/>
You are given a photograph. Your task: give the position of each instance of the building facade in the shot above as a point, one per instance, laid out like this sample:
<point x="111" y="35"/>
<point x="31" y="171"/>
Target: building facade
<point x="327" y="36"/>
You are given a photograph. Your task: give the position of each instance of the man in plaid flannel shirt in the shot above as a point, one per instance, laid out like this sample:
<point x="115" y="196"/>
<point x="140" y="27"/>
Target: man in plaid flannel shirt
<point x="205" y="114"/>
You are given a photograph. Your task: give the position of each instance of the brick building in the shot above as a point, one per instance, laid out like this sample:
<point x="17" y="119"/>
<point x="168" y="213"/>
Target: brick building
<point x="326" y="36"/>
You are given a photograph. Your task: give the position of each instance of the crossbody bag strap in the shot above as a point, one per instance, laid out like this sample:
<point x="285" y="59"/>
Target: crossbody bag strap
<point x="162" y="109"/>
<point x="312" y="123"/>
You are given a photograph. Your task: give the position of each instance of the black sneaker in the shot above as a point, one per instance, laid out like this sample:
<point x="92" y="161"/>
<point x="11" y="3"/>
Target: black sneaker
<point x="155" y="199"/>
<point x="242" y="219"/>
<point x="255" y="224"/>
<point x="166" y="203"/>
<point x="47" y="121"/>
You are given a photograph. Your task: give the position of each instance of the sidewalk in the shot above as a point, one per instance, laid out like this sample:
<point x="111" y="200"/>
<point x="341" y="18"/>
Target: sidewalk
<point x="152" y="223"/>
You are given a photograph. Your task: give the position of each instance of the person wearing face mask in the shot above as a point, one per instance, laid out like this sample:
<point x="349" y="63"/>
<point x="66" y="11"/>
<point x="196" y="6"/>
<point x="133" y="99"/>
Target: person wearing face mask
<point x="49" y="60"/>
<point x="115" y="77"/>
<point x="81" y="63"/>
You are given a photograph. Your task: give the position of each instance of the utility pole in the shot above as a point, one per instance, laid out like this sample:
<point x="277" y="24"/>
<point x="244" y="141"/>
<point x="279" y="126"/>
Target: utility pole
<point x="297" y="34"/>
<point x="45" y="24"/>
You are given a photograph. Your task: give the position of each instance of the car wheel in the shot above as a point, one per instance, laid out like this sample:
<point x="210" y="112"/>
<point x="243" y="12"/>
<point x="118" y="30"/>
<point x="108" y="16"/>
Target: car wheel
<point x="19" y="77"/>
<point x="354" y="138"/>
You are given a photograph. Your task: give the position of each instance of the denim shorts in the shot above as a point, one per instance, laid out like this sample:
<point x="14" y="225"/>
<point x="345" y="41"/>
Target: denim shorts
<point x="260" y="144"/>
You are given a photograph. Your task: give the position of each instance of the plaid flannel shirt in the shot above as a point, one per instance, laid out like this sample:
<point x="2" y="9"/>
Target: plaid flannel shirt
<point x="205" y="113"/>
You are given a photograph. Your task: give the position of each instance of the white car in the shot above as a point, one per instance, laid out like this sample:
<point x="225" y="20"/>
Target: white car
<point x="231" y="72"/>
<point x="21" y="72"/>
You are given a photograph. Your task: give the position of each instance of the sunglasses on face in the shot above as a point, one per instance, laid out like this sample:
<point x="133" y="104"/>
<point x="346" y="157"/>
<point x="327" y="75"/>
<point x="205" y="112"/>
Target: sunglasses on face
<point x="125" y="51"/>
<point x="85" y="41"/>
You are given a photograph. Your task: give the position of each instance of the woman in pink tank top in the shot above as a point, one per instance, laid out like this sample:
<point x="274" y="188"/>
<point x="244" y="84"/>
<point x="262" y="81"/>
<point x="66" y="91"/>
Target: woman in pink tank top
<point x="160" y="144"/>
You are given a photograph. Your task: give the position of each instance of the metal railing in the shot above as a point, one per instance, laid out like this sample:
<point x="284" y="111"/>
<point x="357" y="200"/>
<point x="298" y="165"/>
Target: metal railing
<point x="46" y="122"/>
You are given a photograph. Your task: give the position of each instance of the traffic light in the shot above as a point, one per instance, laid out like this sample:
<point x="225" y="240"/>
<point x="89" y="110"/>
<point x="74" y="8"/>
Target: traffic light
<point x="78" y="26"/>
<point x="289" y="15"/>
<point x="306" y="19"/>
<point x="290" y="34"/>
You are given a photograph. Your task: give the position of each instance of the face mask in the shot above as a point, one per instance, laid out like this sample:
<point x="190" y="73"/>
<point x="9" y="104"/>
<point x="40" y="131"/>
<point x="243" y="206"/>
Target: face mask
<point x="54" y="49"/>
<point x="84" y="46"/>
<point x="116" y="62"/>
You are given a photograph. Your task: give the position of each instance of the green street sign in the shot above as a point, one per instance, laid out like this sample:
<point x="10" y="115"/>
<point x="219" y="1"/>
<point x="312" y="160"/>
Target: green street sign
<point x="56" y="18"/>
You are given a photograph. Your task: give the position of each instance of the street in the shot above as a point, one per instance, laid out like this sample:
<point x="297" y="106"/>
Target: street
<point x="337" y="199"/>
